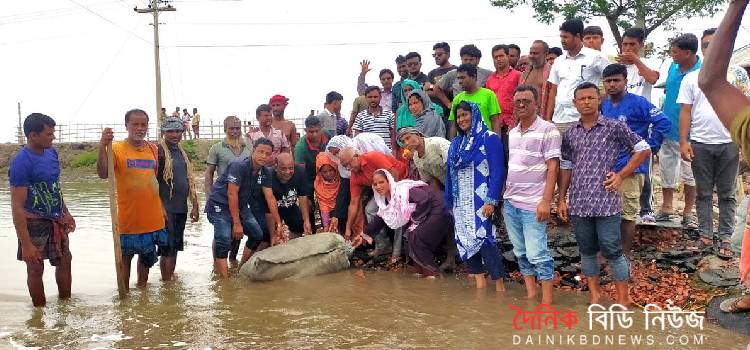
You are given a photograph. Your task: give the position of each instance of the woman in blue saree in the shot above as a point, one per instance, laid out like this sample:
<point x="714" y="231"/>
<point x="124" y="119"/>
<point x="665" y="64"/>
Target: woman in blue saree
<point x="473" y="185"/>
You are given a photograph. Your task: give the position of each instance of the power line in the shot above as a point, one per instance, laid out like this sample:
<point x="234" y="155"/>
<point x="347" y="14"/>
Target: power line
<point x="110" y="21"/>
<point x="358" y="43"/>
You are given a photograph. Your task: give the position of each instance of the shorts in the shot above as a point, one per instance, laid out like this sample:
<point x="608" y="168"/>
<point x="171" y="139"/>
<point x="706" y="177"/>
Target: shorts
<point x="221" y="219"/>
<point x="42" y="237"/>
<point x="673" y="166"/>
<point x="143" y="244"/>
<point x="175" y="235"/>
<point x="630" y="195"/>
<point x="292" y="217"/>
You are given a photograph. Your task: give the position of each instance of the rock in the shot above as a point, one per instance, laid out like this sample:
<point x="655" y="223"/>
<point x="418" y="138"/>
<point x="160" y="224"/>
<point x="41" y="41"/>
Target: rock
<point x="712" y="262"/>
<point x="569" y="269"/>
<point x="719" y="278"/>
<point x="570" y="252"/>
<point x="508" y="255"/>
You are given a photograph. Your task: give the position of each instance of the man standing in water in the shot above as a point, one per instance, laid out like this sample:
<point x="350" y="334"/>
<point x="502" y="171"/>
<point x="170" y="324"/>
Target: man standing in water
<point x="278" y="105"/>
<point x="268" y="131"/>
<point x="140" y="214"/>
<point x="176" y="185"/>
<point x="238" y="203"/>
<point x="40" y="216"/>
<point x="232" y="148"/>
<point x="532" y="175"/>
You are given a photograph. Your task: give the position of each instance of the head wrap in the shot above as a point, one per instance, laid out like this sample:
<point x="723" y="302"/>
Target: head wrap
<point x="408" y="130"/>
<point x="463" y="150"/>
<point x="326" y="192"/>
<point x="172" y="123"/>
<point x="396" y="210"/>
<point x="278" y="99"/>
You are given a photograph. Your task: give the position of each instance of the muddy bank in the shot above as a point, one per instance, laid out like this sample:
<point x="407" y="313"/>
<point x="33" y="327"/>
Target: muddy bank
<point x="78" y="160"/>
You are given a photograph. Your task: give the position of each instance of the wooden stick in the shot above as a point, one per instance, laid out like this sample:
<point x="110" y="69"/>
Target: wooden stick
<point x="121" y="282"/>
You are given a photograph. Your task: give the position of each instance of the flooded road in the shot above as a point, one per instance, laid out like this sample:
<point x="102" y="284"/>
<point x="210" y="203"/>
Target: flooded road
<point x="376" y="310"/>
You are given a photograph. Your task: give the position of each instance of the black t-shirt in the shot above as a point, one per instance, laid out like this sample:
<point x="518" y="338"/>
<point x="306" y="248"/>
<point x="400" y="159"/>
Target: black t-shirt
<point x="251" y="184"/>
<point x="174" y="198"/>
<point x="286" y="194"/>
<point x="434" y="75"/>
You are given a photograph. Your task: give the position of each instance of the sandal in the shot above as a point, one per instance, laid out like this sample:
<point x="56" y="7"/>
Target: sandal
<point x="662" y="216"/>
<point x="690" y="222"/>
<point x="732" y="306"/>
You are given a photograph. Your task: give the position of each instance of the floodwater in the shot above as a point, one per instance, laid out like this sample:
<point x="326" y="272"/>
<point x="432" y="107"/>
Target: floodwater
<point x="374" y="310"/>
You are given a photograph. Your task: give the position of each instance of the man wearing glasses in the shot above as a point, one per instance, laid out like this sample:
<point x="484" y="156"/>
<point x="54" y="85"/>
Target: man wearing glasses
<point x="442" y="54"/>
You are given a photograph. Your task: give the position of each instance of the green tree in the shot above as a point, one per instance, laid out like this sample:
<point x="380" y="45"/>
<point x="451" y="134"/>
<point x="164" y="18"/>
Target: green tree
<point x="647" y="14"/>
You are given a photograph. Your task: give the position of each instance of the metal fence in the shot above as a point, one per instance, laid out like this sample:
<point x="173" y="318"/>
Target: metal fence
<point x="92" y="132"/>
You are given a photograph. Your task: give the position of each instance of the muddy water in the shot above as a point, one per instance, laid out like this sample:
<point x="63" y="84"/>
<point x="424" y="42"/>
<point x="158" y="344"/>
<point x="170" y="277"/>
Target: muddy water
<point x="375" y="310"/>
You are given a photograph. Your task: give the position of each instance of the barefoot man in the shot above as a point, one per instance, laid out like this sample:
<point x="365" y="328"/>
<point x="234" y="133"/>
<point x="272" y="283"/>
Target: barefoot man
<point x="140" y="214"/>
<point x="41" y="218"/>
<point x="590" y="149"/>
<point x="176" y="185"/>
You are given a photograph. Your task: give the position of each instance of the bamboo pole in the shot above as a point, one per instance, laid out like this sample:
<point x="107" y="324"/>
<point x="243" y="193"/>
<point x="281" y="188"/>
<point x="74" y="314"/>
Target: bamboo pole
<point x="121" y="283"/>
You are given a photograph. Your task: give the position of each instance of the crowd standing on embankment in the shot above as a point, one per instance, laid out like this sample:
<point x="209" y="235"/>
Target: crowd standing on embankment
<point x="423" y="165"/>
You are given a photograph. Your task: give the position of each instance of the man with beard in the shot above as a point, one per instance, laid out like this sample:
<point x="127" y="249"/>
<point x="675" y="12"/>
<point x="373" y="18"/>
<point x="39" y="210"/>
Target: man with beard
<point x="537" y="72"/>
<point x="220" y="155"/>
<point x="176" y="186"/>
<point x="140" y="213"/>
<point x="278" y="104"/>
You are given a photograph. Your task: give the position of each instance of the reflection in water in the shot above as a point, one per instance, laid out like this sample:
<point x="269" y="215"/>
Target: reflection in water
<point x="344" y="310"/>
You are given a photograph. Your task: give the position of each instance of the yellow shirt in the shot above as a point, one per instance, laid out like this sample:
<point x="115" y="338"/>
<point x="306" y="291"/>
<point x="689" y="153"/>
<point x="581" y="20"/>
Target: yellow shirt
<point x="196" y="119"/>
<point x="139" y="207"/>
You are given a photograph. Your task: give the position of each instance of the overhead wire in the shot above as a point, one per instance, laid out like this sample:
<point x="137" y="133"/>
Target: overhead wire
<point x="110" y="21"/>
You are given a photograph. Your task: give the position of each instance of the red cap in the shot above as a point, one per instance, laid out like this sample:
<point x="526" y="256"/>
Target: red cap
<point x="278" y="99"/>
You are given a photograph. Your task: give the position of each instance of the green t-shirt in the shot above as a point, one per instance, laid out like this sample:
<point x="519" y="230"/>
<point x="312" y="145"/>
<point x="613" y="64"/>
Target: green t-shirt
<point x="484" y="98"/>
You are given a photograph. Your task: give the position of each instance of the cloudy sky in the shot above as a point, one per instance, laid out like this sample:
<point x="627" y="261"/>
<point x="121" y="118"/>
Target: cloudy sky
<point x="88" y="61"/>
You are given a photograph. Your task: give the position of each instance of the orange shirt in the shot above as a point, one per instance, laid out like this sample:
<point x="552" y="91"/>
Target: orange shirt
<point x="369" y="163"/>
<point x="139" y="208"/>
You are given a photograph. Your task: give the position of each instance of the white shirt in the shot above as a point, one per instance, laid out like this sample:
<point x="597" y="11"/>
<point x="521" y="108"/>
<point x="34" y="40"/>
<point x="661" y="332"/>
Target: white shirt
<point x="567" y="73"/>
<point x="705" y="126"/>
<point x="637" y="84"/>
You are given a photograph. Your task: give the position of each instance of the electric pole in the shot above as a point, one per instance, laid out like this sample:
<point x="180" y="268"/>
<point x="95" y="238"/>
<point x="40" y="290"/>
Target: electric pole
<point x="154" y="8"/>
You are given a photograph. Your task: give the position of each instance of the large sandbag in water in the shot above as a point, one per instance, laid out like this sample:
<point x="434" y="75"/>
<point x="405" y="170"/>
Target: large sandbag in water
<point x="305" y="256"/>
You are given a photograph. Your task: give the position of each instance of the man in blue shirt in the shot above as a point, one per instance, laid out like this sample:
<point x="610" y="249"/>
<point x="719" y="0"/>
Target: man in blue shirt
<point x="683" y="51"/>
<point x="640" y="115"/>
<point x="40" y="216"/>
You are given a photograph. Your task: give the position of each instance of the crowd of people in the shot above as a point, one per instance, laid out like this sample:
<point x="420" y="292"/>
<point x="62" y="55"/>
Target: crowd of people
<point x="190" y="122"/>
<point x="424" y="164"/>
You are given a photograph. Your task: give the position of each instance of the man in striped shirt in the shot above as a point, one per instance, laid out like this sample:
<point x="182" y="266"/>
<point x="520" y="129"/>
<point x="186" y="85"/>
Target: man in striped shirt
<point x="534" y="159"/>
<point x="375" y="119"/>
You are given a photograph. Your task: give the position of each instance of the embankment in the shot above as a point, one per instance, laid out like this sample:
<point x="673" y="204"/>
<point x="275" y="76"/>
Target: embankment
<point x="78" y="160"/>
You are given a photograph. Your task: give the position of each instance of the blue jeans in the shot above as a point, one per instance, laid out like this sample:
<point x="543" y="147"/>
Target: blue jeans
<point x="221" y="219"/>
<point x="529" y="238"/>
<point x="601" y="233"/>
<point x="488" y="257"/>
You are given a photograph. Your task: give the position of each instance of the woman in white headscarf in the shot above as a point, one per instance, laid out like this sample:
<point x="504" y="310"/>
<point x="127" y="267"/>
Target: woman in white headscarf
<point x="419" y="210"/>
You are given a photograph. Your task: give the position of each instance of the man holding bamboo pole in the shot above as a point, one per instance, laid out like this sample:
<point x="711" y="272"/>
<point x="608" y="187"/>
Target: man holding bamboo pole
<point x="140" y="215"/>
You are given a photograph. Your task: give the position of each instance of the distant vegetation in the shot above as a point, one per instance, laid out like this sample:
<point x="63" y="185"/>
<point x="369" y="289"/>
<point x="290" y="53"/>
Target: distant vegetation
<point x="83" y="159"/>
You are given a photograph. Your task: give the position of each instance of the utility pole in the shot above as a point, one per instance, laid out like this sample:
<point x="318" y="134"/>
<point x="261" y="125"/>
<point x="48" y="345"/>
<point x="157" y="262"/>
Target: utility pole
<point x="154" y="8"/>
<point x="21" y="140"/>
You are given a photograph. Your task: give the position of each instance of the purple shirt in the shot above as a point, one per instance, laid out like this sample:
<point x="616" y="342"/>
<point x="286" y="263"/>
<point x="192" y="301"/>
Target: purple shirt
<point x="591" y="154"/>
<point x="527" y="164"/>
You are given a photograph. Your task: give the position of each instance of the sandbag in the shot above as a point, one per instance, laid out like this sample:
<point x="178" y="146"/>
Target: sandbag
<point x="305" y="256"/>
